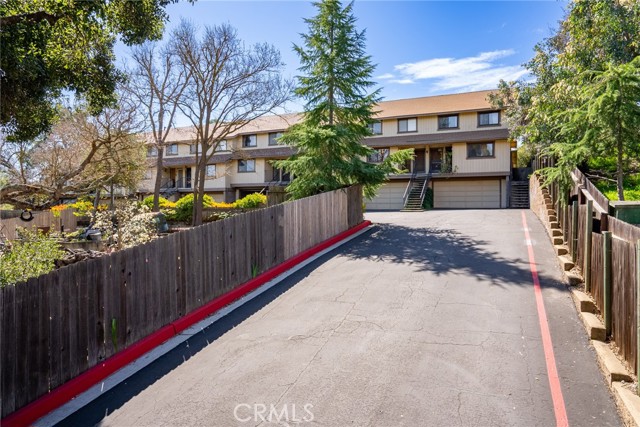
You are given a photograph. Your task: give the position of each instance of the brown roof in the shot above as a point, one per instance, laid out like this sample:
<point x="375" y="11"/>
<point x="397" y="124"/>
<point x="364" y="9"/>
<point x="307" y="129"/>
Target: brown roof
<point x="274" y="123"/>
<point x="432" y="105"/>
<point x="260" y="153"/>
<point x="437" y="138"/>
<point x="424" y="106"/>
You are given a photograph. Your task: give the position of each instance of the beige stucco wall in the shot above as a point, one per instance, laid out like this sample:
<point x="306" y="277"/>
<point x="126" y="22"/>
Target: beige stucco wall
<point x="500" y="163"/>
<point x="429" y="124"/>
<point x="258" y="176"/>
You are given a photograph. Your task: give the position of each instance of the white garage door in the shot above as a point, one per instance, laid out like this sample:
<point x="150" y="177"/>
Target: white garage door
<point x="466" y="194"/>
<point x="389" y="197"/>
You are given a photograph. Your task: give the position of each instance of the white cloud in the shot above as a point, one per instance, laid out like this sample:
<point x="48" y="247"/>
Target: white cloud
<point x="402" y="81"/>
<point x="482" y="71"/>
<point x="385" y="76"/>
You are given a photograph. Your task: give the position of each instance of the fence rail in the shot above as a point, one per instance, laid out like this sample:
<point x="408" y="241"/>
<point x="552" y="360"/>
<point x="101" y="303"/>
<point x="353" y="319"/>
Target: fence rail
<point x="622" y="280"/>
<point x="58" y="325"/>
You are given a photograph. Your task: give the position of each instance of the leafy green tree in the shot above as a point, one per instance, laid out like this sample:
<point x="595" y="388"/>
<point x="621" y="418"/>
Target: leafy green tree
<point x="607" y="118"/>
<point x="335" y="83"/>
<point x="51" y="46"/>
<point x="569" y="111"/>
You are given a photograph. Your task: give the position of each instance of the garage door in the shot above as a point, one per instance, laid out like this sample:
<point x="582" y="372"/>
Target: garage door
<point x="389" y="197"/>
<point x="466" y="194"/>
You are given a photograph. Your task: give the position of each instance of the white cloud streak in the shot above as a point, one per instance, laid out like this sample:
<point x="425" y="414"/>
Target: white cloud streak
<point x="482" y="71"/>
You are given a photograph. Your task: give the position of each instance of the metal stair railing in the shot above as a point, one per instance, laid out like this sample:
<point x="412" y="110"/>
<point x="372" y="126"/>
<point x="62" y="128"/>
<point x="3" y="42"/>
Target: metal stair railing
<point x="423" y="192"/>
<point x="408" y="189"/>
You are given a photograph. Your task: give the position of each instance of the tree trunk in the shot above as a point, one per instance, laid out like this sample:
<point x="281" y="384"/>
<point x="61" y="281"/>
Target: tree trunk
<point x="620" y="172"/>
<point x="198" y="191"/>
<point x="158" y="184"/>
<point x="96" y="200"/>
<point x="112" y="201"/>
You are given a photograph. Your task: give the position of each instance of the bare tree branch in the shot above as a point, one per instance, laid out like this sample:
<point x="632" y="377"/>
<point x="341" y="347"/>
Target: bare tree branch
<point x="229" y="86"/>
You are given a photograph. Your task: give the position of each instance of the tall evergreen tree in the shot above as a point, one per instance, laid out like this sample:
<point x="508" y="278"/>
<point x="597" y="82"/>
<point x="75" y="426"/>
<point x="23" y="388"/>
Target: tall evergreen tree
<point x="339" y="107"/>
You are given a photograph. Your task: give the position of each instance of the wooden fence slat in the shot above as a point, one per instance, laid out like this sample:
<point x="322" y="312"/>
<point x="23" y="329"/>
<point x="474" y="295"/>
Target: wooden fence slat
<point x="64" y="283"/>
<point x="33" y="352"/>
<point x="624" y="299"/>
<point x="23" y="324"/>
<point x="81" y="354"/>
<point x="9" y="350"/>
<point x="58" y="325"/>
<point x="44" y="285"/>
<point x="92" y="302"/>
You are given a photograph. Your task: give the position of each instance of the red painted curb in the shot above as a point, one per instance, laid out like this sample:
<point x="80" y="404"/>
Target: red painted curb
<point x="559" y="408"/>
<point x="69" y="390"/>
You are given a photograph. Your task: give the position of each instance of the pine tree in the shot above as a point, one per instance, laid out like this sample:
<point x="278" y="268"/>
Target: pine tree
<point x="335" y="83"/>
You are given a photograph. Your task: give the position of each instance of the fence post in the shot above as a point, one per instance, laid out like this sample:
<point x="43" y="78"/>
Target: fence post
<point x="588" y="228"/>
<point x="574" y="230"/>
<point x="606" y="279"/>
<point x="638" y="313"/>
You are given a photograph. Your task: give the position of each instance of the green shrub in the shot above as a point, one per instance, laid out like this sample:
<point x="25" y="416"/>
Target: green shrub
<point x="250" y="201"/>
<point x="184" y="208"/>
<point x="631" y="188"/>
<point x="31" y="257"/>
<point x="162" y="203"/>
<point x="428" y="199"/>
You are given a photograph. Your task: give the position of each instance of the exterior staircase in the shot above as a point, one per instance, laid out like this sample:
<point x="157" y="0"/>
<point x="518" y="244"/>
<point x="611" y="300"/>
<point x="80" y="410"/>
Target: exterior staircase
<point x="415" y="193"/>
<point x="519" y="195"/>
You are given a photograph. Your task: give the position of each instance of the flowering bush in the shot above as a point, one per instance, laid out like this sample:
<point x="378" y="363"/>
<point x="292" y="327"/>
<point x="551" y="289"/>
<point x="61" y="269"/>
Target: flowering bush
<point x="56" y="210"/>
<point x="35" y="254"/>
<point x="126" y="227"/>
<point x="184" y="207"/>
<point x="223" y="205"/>
<point x="250" y="201"/>
<point x="162" y="203"/>
<point x="85" y="208"/>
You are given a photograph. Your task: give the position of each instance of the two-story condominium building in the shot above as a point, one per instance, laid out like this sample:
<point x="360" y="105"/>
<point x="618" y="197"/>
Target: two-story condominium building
<point x="461" y="147"/>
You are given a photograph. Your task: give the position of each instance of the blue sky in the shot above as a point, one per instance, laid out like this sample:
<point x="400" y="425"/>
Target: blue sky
<point x="421" y="48"/>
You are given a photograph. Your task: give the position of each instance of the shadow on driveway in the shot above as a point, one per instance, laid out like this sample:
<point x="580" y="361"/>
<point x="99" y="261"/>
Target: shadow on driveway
<point x="446" y="251"/>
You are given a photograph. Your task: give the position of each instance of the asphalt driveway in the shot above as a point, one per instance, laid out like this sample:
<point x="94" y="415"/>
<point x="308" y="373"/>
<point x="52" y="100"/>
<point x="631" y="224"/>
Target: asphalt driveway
<point x="429" y="320"/>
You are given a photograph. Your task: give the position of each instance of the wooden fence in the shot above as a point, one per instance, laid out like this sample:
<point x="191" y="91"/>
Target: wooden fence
<point x="573" y="216"/>
<point x="8" y="227"/>
<point x="56" y="326"/>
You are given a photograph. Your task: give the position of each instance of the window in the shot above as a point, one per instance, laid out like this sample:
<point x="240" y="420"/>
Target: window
<point x="375" y="127"/>
<point x="250" y="140"/>
<point x="490" y="118"/>
<point x="448" y="122"/>
<point x="193" y="149"/>
<point x="172" y="150"/>
<point x="407" y="125"/>
<point x="273" y="138"/>
<point x="152" y="151"/>
<point x="378" y="155"/>
<point x="211" y="171"/>
<point x="222" y="146"/>
<point x="481" y="149"/>
<point x="246" y="165"/>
